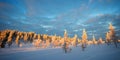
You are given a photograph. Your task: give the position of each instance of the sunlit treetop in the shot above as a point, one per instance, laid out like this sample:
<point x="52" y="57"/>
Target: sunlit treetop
<point x="84" y="35"/>
<point x="111" y="27"/>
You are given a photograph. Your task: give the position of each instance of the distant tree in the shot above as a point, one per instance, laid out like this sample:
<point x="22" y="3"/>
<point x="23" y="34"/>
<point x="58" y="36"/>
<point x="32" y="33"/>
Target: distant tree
<point x="3" y="37"/>
<point x="38" y="36"/>
<point x="17" y="40"/>
<point x="108" y="38"/>
<point x="65" y="35"/>
<point x="9" y="41"/>
<point x="47" y="43"/>
<point x="45" y="37"/>
<point x="25" y="37"/>
<point x="75" y="40"/>
<point x="62" y="41"/>
<point x="100" y="41"/>
<point x="94" y="40"/>
<point x="37" y="43"/>
<point x="84" y="39"/>
<point x="30" y="36"/>
<point x="113" y="36"/>
<point x="66" y="47"/>
<point x="35" y="36"/>
<point x="79" y="41"/>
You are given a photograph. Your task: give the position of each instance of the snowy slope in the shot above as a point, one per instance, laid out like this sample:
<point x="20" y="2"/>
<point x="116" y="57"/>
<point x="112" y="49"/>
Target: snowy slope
<point x="92" y="52"/>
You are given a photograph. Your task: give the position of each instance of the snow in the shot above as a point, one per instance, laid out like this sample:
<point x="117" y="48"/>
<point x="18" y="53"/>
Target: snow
<point x="92" y="52"/>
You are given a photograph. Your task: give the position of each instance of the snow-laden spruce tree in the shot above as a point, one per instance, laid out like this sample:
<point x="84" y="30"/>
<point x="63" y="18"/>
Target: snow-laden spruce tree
<point x="111" y="36"/>
<point x="25" y="37"/>
<point x="17" y="40"/>
<point x="9" y="41"/>
<point x="100" y="41"/>
<point x="94" y="40"/>
<point x="84" y="39"/>
<point x="75" y="40"/>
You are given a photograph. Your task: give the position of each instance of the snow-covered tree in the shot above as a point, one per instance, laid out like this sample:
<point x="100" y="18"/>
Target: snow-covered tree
<point x="25" y="37"/>
<point x="84" y="39"/>
<point x="108" y="39"/>
<point x="100" y="41"/>
<point x="38" y="36"/>
<point x="94" y="40"/>
<point x="75" y="40"/>
<point x="65" y="35"/>
<point x="35" y="35"/>
<point x="113" y="36"/>
<point x="9" y="41"/>
<point x="17" y="40"/>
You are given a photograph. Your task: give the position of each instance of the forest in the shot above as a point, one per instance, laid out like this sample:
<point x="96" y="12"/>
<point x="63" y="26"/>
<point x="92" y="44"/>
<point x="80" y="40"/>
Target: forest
<point x="8" y="37"/>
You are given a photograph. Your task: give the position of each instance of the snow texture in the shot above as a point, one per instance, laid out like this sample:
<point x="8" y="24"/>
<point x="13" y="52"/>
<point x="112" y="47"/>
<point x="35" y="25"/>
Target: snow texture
<point x="92" y="52"/>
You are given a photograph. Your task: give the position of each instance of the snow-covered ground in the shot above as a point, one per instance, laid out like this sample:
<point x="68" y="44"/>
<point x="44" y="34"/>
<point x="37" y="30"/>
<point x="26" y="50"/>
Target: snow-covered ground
<point x="92" y="52"/>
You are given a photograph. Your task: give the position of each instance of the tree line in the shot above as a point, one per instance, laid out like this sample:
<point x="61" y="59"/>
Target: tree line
<point x="7" y="37"/>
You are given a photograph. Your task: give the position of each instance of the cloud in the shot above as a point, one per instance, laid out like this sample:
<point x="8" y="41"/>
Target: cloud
<point x="46" y="26"/>
<point x="26" y="22"/>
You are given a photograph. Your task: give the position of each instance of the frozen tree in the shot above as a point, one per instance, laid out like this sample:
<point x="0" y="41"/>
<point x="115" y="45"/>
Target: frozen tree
<point x="94" y="40"/>
<point x="65" y="35"/>
<point x="3" y="38"/>
<point x="113" y="36"/>
<point x="35" y="36"/>
<point x="37" y="43"/>
<point x="108" y="38"/>
<point x="17" y="40"/>
<point x="38" y="36"/>
<point x="66" y="44"/>
<point x="25" y="37"/>
<point x="84" y="38"/>
<point x="45" y="37"/>
<point x="75" y="40"/>
<point x="9" y="41"/>
<point x="47" y="43"/>
<point x="30" y="36"/>
<point x="100" y="41"/>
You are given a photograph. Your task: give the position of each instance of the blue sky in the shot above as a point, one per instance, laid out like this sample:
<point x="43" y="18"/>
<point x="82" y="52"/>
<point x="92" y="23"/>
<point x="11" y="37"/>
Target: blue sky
<point x="54" y="16"/>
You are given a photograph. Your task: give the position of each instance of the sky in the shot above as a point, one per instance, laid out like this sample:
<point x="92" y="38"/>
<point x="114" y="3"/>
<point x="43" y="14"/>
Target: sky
<point x="54" y="16"/>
